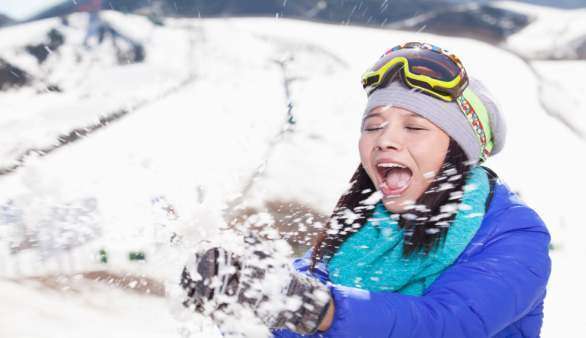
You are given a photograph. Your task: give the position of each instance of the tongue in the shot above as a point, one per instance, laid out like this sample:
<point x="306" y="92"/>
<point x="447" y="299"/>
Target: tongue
<point x="398" y="178"/>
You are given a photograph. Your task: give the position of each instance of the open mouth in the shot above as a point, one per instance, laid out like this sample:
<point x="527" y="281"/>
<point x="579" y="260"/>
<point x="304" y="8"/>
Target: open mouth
<point x="395" y="178"/>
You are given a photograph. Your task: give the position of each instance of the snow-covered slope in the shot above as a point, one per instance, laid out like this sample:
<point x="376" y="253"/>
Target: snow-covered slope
<point x="554" y="44"/>
<point x="552" y="34"/>
<point x="562" y="91"/>
<point x="227" y="131"/>
<point x="91" y="82"/>
<point x="88" y="310"/>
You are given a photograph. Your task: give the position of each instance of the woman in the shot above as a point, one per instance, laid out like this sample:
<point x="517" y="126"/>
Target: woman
<point x="442" y="248"/>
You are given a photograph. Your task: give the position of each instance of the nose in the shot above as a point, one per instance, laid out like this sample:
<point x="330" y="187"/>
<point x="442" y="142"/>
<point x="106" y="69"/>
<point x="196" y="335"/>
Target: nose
<point x="390" y="138"/>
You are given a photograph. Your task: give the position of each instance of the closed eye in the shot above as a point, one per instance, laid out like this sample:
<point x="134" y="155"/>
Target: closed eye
<point x="374" y="127"/>
<point x="415" y="128"/>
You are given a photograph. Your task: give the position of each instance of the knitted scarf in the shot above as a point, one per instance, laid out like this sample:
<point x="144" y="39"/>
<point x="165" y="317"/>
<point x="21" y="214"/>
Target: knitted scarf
<point x="372" y="258"/>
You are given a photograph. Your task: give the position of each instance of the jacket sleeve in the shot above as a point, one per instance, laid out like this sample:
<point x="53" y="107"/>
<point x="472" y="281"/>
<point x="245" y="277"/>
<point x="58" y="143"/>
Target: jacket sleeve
<point x="476" y="297"/>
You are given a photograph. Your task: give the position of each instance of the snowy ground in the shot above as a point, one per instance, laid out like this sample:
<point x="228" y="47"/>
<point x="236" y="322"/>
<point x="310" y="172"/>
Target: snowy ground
<point x="207" y="125"/>
<point x="93" y="310"/>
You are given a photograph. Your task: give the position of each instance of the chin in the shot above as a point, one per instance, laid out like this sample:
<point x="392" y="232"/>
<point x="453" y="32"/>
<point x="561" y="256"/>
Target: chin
<point x="397" y="205"/>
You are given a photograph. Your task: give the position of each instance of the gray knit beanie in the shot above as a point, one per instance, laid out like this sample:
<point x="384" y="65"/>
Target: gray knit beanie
<point x="446" y="115"/>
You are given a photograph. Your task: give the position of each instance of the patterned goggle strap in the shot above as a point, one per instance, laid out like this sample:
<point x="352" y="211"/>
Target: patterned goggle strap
<point x="477" y="115"/>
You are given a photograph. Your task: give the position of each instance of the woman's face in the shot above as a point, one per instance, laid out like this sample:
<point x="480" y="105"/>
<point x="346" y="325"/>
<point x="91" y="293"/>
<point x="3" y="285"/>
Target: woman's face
<point x="401" y="152"/>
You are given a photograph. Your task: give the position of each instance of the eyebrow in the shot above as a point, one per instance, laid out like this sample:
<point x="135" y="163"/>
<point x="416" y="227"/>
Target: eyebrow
<point x="415" y="115"/>
<point x="380" y="115"/>
<point x="371" y="115"/>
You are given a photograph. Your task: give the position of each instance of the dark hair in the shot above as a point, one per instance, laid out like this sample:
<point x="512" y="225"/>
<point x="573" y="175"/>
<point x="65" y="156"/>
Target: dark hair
<point x="424" y="225"/>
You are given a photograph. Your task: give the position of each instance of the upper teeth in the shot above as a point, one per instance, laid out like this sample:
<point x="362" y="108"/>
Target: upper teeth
<point x="391" y="165"/>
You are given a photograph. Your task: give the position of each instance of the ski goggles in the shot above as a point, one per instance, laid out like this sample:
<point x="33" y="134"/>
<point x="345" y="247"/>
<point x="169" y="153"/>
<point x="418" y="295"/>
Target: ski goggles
<point x="421" y="66"/>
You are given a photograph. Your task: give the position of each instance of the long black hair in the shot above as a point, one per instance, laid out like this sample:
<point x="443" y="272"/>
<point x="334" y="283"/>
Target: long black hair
<point x="424" y="225"/>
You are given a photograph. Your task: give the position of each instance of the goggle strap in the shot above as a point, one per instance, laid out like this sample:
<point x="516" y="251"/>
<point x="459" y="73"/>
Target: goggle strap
<point x="477" y="115"/>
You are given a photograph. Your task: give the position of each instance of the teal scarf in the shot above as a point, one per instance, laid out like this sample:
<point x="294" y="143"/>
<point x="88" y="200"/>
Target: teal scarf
<point x="372" y="258"/>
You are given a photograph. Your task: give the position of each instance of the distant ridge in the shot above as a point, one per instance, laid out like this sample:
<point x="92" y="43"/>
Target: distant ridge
<point x="5" y="20"/>
<point x="567" y="4"/>
<point x="351" y="11"/>
<point x="471" y="20"/>
<point x="478" y="19"/>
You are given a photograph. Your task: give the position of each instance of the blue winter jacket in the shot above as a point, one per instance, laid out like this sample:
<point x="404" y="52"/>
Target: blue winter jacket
<point x="494" y="289"/>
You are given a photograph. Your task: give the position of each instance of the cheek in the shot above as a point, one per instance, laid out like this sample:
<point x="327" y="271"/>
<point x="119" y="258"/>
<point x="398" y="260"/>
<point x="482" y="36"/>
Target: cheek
<point x="430" y="155"/>
<point x="364" y="148"/>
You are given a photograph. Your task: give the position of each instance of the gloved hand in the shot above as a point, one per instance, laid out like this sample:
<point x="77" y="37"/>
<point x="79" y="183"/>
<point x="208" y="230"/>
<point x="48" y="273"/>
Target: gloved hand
<point x="281" y="300"/>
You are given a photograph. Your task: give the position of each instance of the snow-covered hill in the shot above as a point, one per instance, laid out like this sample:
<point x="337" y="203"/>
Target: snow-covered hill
<point x="223" y="117"/>
<point x="552" y="34"/>
<point x="554" y="45"/>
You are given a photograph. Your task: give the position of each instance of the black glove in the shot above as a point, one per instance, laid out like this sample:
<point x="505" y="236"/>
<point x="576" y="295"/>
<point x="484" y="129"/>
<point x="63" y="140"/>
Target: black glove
<point x="299" y="303"/>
